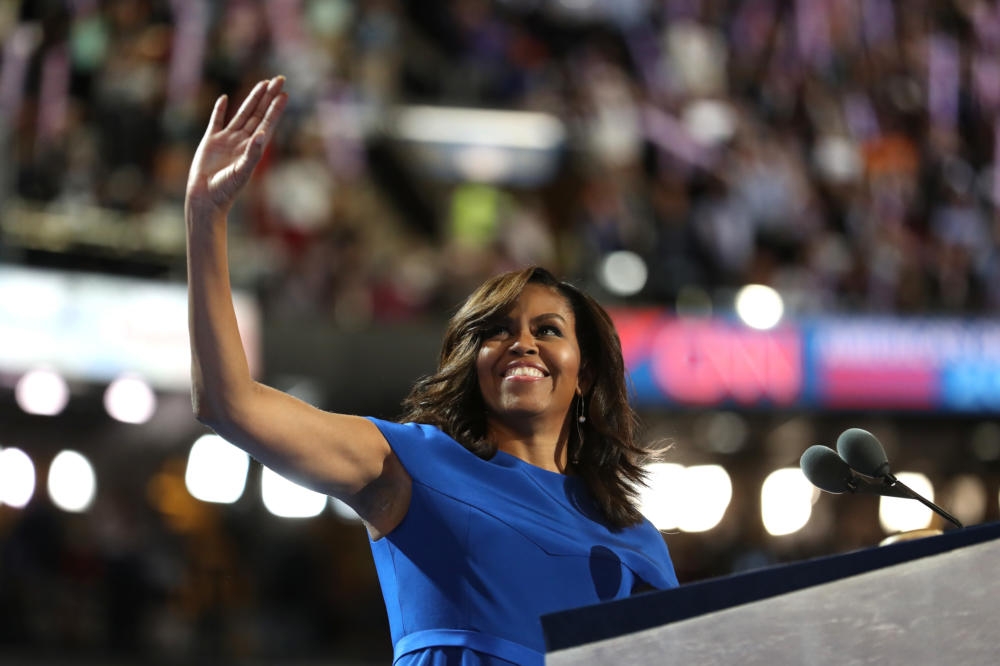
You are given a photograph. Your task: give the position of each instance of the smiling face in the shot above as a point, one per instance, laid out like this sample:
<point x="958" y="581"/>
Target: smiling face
<point x="529" y="362"/>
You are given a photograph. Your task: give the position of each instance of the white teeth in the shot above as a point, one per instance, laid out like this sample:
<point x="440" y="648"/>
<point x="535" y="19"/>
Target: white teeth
<point x="524" y="371"/>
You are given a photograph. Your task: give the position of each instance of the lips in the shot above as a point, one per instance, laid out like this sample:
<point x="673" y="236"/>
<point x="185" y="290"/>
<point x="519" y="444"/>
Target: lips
<point x="524" y="371"/>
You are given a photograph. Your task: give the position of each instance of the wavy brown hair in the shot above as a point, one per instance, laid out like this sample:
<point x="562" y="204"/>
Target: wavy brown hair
<point x="603" y="448"/>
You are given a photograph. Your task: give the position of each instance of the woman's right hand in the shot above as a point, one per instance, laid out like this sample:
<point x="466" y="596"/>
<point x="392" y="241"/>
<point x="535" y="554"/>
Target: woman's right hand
<point x="229" y="152"/>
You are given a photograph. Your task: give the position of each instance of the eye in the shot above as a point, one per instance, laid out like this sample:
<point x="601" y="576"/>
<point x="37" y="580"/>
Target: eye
<point x="549" y="329"/>
<point x="495" y="331"/>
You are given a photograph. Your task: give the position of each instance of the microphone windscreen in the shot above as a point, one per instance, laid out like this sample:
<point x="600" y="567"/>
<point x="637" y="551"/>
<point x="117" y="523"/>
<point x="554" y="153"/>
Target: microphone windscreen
<point x="825" y="469"/>
<point x="862" y="451"/>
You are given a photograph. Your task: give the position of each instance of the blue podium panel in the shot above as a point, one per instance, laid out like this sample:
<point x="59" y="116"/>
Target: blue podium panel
<point x="931" y="601"/>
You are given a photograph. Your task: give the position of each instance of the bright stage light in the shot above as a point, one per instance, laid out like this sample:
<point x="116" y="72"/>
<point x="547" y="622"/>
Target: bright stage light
<point x="42" y="392"/>
<point x="17" y="478"/>
<point x="759" y="306"/>
<point x="707" y="491"/>
<point x="130" y="399"/>
<point x="897" y="514"/>
<point x="216" y="470"/>
<point x="661" y="501"/>
<point x="786" y="498"/>
<point x="623" y="273"/>
<point x="692" y="499"/>
<point x="72" y="483"/>
<point x="287" y="499"/>
<point x="480" y="127"/>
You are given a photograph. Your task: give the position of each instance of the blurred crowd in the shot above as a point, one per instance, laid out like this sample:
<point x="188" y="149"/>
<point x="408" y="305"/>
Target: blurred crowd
<point x="174" y="580"/>
<point x="840" y="151"/>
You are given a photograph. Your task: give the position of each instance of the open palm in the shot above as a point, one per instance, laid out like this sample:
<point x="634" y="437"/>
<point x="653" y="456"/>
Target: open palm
<point x="229" y="152"/>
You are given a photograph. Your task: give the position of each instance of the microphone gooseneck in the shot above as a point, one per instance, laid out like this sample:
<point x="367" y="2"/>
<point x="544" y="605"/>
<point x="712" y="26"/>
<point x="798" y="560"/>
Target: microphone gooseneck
<point x="912" y="494"/>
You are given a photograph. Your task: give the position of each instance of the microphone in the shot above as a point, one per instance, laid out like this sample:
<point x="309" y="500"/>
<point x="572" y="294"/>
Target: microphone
<point x="829" y="472"/>
<point x="826" y="470"/>
<point x="862" y="451"/>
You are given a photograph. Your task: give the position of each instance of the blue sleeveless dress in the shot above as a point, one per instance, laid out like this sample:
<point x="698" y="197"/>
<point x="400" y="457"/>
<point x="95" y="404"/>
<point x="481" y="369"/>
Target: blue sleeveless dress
<point x="488" y="546"/>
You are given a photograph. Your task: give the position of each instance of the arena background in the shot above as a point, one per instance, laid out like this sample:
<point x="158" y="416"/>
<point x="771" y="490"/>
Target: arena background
<point x="663" y="156"/>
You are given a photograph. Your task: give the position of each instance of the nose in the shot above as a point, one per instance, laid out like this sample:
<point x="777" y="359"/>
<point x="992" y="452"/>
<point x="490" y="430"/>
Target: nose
<point x="524" y="343"/>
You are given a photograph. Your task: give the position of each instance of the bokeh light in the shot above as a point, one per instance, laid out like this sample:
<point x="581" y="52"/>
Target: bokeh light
<point x="660" y="500"/>
<point x="707" y="492"/>
<point x="898" y="514"/>
<point x="287" y="499"/>
<point x="216" y="470"/>
<point x="130" y="399"/>
<point x="759" y="306"/>
<point x="17" y="478"/>
<point x="786" y="499"/>
<point x="692" y="499"/>
<point x="42" y="391"/>
<point x="965" y="496"/>
<point x="72" y="482"/>
<point x="623" y="273"/>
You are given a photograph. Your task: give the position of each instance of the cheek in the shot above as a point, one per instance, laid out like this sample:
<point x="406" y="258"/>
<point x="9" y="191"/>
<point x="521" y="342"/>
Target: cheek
<point x="570" y="363"/>
<point x="484" y="365"/>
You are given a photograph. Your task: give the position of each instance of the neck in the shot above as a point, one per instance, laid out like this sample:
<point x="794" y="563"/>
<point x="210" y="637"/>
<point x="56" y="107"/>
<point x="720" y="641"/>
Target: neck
<point x="541" y="447"/>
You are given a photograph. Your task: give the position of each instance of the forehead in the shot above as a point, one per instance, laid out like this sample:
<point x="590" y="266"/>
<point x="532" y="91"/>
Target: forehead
<point x="538" y="299"/>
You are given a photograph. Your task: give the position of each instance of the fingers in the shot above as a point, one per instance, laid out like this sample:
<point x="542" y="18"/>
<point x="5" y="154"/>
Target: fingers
<point x="270" y="121"/>
<point x="218" y="114"/>
<point x="244" y="166"/>
<point x="256" y="104"/>
<point x="274" y="85"/>
<point x="248" y="106"/>
<point x="253" y="151"/>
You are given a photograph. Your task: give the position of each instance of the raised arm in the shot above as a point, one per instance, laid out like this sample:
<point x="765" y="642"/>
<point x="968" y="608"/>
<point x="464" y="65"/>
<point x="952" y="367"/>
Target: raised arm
<point x="340" y="455"/>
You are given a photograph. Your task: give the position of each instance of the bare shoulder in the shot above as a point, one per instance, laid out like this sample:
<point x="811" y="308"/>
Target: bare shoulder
<point x="384" y="501"/>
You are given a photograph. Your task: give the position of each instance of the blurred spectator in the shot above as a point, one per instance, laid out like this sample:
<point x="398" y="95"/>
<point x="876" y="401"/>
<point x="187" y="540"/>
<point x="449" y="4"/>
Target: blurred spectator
<point x="828" y="146"/>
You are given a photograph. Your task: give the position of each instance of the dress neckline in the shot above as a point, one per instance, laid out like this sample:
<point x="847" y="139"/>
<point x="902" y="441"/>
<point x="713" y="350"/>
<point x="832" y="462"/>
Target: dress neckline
<point x="553" y="481"/>
<point x="510" y="460"/>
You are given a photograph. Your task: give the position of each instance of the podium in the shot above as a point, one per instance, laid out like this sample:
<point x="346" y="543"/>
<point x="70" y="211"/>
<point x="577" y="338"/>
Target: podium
<point x="934" y="600"/>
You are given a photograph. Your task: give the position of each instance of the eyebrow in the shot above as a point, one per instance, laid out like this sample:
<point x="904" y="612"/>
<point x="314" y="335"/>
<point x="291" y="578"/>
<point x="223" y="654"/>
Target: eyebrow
<point x="549" y="315"/>
<point x="541" y="317"/>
